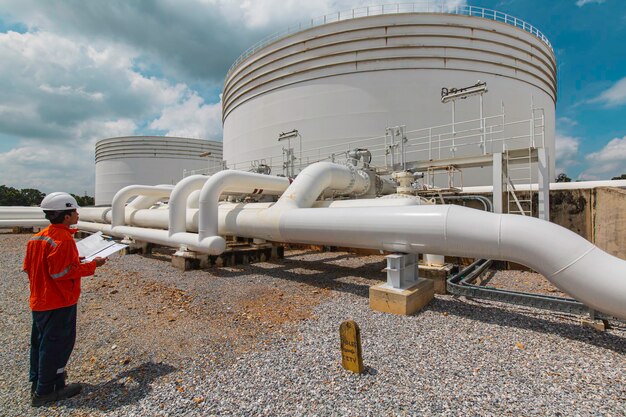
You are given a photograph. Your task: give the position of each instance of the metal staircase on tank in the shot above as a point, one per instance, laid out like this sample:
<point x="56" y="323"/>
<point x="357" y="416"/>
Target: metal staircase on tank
<point x="519" y="172"/>
<point x="519" y="167"/>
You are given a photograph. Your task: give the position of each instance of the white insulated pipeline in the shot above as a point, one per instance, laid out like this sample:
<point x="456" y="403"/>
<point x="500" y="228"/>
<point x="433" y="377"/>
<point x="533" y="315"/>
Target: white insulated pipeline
<point x="177" y="225"/>
<point x="14" y="216"/>
<point x="572" y="263"/>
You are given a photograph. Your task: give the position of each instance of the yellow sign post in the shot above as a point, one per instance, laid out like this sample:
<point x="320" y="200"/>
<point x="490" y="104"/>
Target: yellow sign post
<point x="351" y="354"/>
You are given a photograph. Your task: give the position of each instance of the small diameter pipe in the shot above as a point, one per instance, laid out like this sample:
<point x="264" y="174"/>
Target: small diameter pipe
<point x="24" y="223"/>
<point x="578" y="185"/>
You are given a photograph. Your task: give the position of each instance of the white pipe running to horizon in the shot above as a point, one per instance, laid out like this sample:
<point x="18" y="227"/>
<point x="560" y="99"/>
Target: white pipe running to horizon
<point x="577" y="185"/>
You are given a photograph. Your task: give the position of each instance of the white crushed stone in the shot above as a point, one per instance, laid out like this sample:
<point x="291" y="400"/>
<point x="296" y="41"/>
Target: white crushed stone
<point x="456" y="357"/>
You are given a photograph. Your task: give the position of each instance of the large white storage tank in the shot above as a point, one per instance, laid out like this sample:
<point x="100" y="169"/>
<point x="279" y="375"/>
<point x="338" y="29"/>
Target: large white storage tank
<point x="149" y="160"/>
<point x="378" y="67"/>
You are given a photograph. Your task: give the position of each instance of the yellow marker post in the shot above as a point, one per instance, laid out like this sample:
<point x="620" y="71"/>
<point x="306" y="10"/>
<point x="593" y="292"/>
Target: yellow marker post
<point x="351" y="354"/>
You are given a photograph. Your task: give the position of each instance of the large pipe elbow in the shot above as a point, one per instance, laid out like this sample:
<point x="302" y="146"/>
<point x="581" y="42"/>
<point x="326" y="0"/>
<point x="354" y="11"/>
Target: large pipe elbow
<point x="314" y="179"/>
<point x="570" y="262"/>
<point x="118" y="216"/>
<point x="234" y="182"/>
<point x="178" y="201"/>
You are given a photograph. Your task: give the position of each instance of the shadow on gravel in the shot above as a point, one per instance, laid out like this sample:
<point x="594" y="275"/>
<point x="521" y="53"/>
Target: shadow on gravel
<point x="320" y="273"/>
<point x="126" y="388"/>
<point x="494" y="315"/>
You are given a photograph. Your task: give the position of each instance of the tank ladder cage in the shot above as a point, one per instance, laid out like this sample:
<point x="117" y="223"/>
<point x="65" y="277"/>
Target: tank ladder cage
<point x="462" y="284"/>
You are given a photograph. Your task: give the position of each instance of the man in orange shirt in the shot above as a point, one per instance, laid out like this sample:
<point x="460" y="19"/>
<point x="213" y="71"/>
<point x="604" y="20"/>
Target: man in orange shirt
<point x="54" y="271"/>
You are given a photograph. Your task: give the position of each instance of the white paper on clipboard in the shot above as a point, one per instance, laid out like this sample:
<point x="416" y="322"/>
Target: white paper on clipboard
<point x="95" y="246"/>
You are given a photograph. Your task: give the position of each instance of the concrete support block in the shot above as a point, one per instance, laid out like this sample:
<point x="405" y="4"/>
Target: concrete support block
<point x="437" y="274"/>
<point x="405" y="302"/>
<point x="134" y="247"/>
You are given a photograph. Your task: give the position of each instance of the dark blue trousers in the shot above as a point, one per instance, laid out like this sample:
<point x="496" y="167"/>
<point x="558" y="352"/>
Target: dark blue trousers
<point x="51" y="344"/>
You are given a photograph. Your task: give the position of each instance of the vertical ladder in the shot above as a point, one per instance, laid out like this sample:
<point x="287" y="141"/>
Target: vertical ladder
<point x="519" y="172"/>
<point x="538" y="127"/>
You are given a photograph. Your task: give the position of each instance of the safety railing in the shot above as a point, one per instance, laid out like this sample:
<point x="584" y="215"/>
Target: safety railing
<point x="422" y="6"/>
<point x="467" y="138"/>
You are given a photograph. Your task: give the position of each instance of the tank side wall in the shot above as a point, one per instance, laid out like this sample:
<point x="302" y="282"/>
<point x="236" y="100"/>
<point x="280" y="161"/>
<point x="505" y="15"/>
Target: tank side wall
<point x="350" y="80"/>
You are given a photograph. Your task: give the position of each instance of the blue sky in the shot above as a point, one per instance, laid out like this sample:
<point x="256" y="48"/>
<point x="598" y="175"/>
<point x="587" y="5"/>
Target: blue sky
<point x="75" y="71"/>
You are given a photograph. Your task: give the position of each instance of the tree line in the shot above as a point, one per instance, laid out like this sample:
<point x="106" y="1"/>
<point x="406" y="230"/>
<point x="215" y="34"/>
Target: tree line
<point x="10" y="196"/>
<point x="562" y="177"/>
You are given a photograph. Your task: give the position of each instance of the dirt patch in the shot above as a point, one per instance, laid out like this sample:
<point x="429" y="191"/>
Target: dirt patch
<point x="150" y="320"/>
<point x="271" y="307"/>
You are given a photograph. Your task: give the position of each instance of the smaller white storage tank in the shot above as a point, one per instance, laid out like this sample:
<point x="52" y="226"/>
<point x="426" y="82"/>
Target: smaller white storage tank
<point x="149" y="160"/>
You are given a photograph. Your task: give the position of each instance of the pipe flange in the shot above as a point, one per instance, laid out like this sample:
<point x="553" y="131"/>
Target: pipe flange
<point x="368" y="182"/>
<point x="104" y="214"/>
<point x="350" y="187"/>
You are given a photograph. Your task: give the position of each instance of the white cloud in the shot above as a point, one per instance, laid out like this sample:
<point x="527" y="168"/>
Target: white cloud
<point x="566" y="152"/>
<point x="566" y="122"/>
<point x="48" y="168"/>
<point x="191" y="118"/>
<point x="608" y="162"/>
<point x="67" y="166"/>
<point x="90" y="69"/>
<point x="614" y="96"/>
<point x="191" y="40"/>
<point x="581" y="3"/>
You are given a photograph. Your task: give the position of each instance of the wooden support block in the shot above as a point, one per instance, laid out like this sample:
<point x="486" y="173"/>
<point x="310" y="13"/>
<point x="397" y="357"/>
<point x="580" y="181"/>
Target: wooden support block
<point x="185" y="263"/>
<point x="398" y="301"/>
<point x="437" y="274"/>
<point x="598" y="325"/>
<point x="144" y="248"/>
<point x="21" y="229"/>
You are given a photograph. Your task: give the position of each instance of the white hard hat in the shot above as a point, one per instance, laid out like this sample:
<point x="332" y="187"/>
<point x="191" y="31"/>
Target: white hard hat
<point x="59" y="201"/>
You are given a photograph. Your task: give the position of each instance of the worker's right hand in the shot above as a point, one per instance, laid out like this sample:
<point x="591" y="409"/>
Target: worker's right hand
<point x="99" y="261"/>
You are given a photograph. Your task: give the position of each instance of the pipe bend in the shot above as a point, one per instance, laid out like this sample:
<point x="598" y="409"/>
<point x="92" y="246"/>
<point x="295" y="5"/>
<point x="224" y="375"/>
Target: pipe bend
<point x="121" y="197"/>
<point x="314" y="179"/>
<point x="178" y="201"/>
<point x="235" y="182"/>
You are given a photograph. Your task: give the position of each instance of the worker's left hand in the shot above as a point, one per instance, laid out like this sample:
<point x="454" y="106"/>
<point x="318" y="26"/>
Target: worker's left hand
<point x="100" y="261"/>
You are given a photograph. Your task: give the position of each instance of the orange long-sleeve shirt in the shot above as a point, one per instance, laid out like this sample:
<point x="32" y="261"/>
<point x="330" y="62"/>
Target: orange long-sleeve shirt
<point x="54" y="269"/>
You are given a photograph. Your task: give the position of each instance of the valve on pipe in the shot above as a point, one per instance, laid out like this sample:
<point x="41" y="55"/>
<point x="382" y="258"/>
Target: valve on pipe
<point x="359" y="154"/>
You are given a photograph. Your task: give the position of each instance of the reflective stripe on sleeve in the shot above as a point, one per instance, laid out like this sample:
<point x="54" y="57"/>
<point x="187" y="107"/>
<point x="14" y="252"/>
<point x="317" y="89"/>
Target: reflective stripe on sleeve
<point x="45" y="239"/>
<point x="60" y="274"/>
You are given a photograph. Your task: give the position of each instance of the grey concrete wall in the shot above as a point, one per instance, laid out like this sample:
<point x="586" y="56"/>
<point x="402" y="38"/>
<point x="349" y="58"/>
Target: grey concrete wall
<point x="609" y="219"/>
<point x="598" y="215"/>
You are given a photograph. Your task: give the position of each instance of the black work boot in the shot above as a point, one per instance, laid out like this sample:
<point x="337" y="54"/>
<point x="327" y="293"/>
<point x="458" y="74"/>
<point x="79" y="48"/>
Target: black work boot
<point x="68" y="391"/>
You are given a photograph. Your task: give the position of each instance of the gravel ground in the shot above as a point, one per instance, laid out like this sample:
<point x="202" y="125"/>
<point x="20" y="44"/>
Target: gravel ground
<point x="262" y="339"/>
